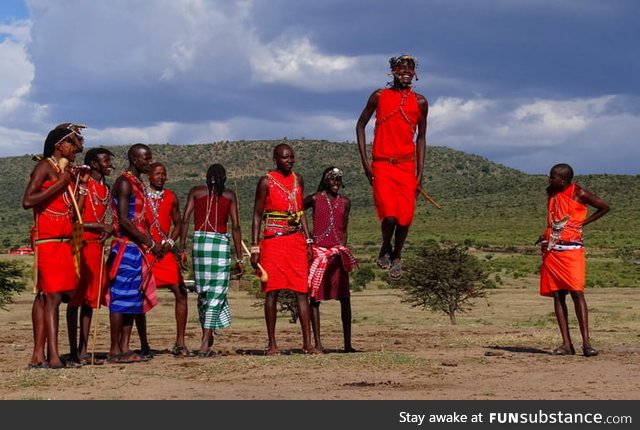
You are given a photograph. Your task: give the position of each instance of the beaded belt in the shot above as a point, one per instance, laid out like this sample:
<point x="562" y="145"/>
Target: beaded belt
<point x="395" y="160"/>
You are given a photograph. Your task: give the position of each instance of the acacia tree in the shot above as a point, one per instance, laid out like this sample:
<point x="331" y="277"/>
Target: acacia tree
<point x="443" y="279"/>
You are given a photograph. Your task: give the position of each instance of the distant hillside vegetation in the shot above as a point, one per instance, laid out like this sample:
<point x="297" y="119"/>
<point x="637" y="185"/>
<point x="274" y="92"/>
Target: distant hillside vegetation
<point x="484" y="202"/>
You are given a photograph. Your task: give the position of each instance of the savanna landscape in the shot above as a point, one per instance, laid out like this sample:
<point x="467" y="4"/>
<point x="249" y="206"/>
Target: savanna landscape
<point x="499" y="349"/>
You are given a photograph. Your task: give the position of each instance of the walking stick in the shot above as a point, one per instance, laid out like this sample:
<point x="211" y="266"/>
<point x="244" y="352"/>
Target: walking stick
<point x="95" y="326"/>
<point x="264" y="277"/>
<point x="428" y="198"/>
<point x="78" y="228"/>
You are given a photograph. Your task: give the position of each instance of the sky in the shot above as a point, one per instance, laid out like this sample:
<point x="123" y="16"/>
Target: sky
<point x="524" y="83"/>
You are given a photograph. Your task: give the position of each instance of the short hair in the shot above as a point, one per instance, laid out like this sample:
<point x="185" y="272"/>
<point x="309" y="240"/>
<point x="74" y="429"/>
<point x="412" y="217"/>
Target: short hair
<point x="155" y="164"/>
<point x="92" y="155"/>
<point x="565" y="170"/>
<point x="133" y="151"/>
<point x="280" y="147"/>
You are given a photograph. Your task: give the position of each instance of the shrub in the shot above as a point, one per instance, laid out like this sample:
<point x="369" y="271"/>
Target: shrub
<point x="444" y="279"/>
<point x="11" y="281"/>
<point x="362" y="277"/>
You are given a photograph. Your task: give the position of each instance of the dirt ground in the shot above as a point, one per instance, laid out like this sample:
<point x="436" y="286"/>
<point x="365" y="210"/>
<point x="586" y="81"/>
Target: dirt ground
<point x="500" y="350"/>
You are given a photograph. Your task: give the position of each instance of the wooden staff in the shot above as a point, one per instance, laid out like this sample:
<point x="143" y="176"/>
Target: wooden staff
<point x="428" y="198"/>
<point x="95" y="323"/>
<point x="76" y="239"/>
<point x="263" y="273"/>
<point x="63" y="164"/>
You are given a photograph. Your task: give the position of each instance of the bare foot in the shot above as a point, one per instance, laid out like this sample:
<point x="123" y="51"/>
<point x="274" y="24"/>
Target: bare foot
<point x="311" y="350"/>
<point x="350" y="348"/>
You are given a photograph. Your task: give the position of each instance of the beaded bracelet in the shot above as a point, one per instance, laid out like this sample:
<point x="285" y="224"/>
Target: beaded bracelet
<point x="255" y="249"/>
<point x="309" y="241"/>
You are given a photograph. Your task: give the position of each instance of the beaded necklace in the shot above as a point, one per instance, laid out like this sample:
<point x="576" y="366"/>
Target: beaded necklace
<point x="291" y="194"/>
<point x="156" y="198"/>
<point x="95" y="200"/>
<point x="332" y="222"/>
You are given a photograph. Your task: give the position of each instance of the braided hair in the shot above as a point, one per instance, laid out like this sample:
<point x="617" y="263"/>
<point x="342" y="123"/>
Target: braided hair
<point x="54" y="137"/>
<point x="216" y="178"/>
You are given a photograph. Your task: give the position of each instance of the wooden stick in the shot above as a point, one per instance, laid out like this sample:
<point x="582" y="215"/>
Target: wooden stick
<point x="95" y="323"/>
<point x="264" y="277"/>
<point x="428" y="198"/>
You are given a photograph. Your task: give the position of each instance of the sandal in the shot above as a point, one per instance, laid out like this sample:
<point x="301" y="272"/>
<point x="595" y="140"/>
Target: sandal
<point x="207" y="354"/>
<point x="43" y="365"/>
<point x="395" y="272"/>
<point x="85" y="360"/>
<point x="180" y="351"/>
<point x="588" y="351"/>
<point x="384" y="259"/>
<point x="564" y="351"/>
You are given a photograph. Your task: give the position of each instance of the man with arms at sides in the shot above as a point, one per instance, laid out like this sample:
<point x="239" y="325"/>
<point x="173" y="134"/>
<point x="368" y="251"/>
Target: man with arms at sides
<point x="329" y="272"/>
<point x="212" y="206"/>
<point x="286" y="247"/>
<point x="563" y="269"/>
<point x="163" y="212"/>
<point x="132" y="289"/>
<point x="397" y="169"/>
<point x="94" y="200"/>
<point x="48" y="193"/>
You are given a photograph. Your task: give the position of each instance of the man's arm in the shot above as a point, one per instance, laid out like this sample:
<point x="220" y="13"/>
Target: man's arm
<point x="361" y="136"/>
<point x="184" y="227"/>
<point x="236" y="232"/>
<point x="258" y="209"/>
<point x="122" y="192"/>
<point x="421" y="139"/>
<point x="43" y="171"/>
<point x="345" y="221"/>
<point x="588" y="198"/>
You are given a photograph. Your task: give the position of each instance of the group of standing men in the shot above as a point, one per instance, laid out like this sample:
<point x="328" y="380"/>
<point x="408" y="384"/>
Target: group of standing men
<point x="146" y="223"/>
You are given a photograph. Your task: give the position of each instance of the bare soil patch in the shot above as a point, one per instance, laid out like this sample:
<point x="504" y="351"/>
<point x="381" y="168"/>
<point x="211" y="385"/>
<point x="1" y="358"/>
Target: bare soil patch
<point x="500" y="350"/>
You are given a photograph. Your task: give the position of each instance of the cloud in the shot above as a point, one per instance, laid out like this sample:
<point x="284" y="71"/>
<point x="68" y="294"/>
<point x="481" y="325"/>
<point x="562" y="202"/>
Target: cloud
<point x="195" y="71"/>
<point x="533" y="134"/>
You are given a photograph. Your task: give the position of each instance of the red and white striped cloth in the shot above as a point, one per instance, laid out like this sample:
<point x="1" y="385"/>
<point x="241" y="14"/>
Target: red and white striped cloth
<point x="321" y="258"/>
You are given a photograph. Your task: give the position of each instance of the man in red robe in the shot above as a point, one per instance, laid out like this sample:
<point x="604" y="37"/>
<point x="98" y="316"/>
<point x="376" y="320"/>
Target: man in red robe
<point x="563" y="259"/>
<point x="163" y="213"/>
<point x="286" y="247"/>
<point x="92" y="287"/>
<point x="49" y="194"/>
<point x="397" y="168"/>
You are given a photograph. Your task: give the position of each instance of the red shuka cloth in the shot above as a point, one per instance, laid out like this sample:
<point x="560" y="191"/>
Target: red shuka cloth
<point x="92" y="283"/>
<point x="284" y="258"/>
<point x="564" y="270"/>
<point x="54" y="260"/>
<point x="166" y="270"/>
<point x="394" y="185"/>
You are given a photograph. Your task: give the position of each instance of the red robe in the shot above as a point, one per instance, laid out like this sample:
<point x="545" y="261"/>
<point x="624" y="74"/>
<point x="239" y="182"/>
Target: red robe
<point x="284" y="258"/>
<point x="93" y="274"/>
<point x="165" y="270"/>
<point x="395" y="182"/>
<point x="54" y="259"/>
<point x="563" y="265"/>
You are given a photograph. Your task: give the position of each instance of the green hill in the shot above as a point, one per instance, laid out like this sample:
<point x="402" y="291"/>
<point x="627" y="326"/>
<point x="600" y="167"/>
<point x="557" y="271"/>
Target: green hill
<point x="484" y="203"/>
